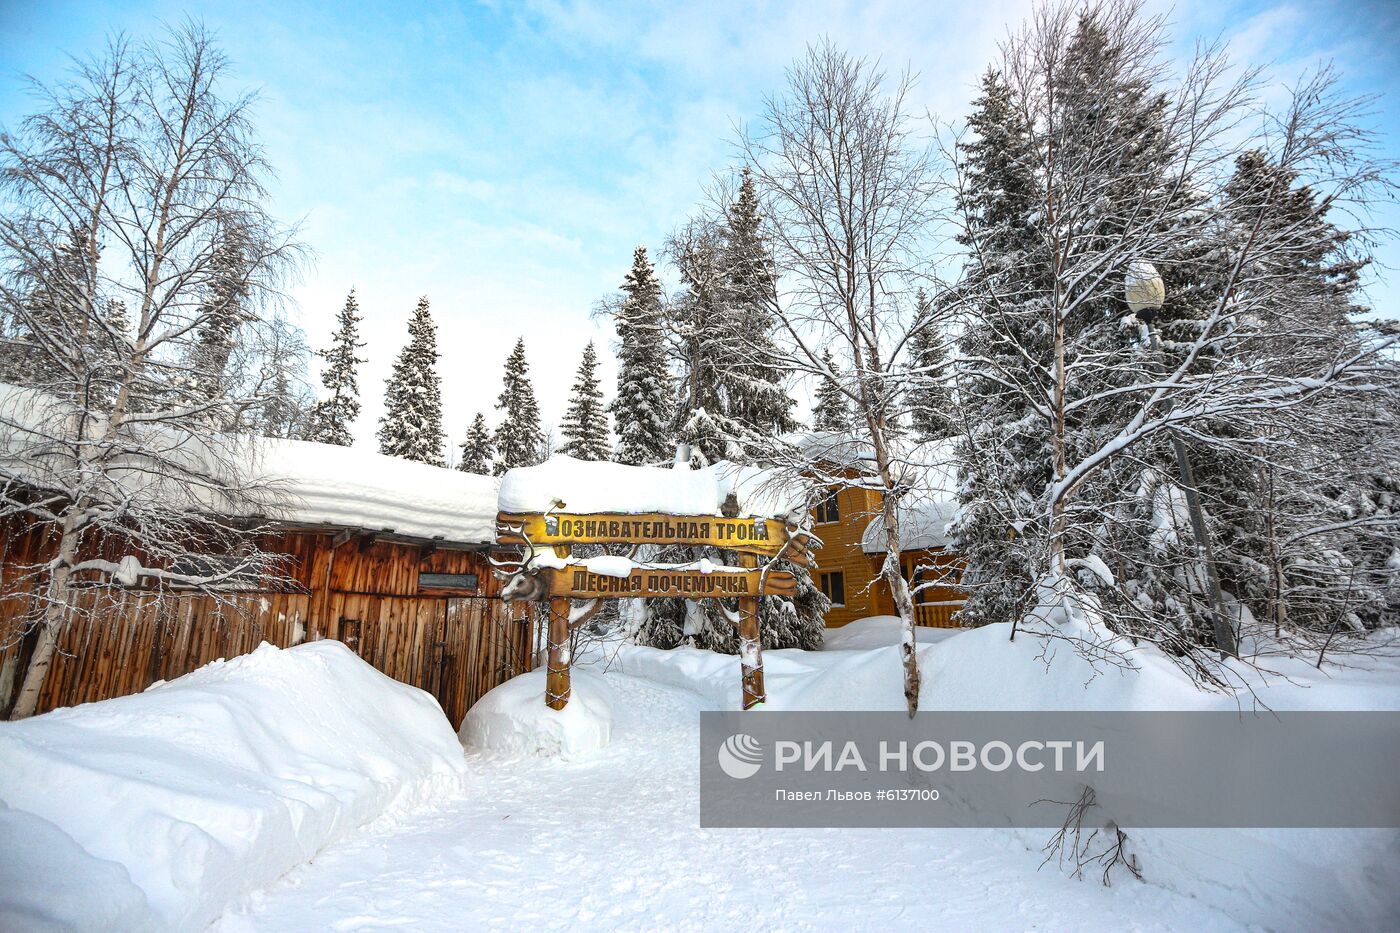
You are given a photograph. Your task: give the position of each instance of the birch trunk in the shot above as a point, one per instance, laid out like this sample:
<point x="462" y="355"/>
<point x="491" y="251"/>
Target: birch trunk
<point x="55" y="616"/>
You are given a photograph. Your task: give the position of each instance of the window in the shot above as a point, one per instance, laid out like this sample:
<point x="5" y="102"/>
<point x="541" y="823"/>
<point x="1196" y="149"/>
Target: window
<point x="827" y="509"/>
<point x="834" y="587"/>
<point x="447" y="581"/>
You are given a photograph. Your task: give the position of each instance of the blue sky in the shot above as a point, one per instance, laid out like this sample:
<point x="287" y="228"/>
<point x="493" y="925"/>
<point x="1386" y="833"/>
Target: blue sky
<point x="504" y="159"/>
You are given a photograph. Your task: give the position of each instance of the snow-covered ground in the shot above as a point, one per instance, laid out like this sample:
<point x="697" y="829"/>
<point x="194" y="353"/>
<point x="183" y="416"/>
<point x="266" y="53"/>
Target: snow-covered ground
<point x="302" y="790"/>
<point x="611" y="839"/>
<point x="155" y="811"/>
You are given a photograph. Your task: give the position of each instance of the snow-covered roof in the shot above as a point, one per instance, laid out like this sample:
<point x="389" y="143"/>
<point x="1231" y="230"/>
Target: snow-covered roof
<point x="922" y="525"/>
<point x="930" y="504"/>
<point x="343" y="486"/>
<point x="588" y="486"/>
<point x="297" y="482"/>
<point x="851" y="449"/>
<point x="838" y="449"/>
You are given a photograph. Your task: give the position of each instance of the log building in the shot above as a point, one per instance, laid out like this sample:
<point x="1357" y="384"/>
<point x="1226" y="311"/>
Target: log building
<point x="848" y="520"/>
<point x="388" y="556"/>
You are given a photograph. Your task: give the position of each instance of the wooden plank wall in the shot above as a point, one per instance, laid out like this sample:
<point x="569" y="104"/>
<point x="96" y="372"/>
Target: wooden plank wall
<point x="841" y="551"/>
<point x="866" y="593"/>
<point x="454" y="644"/>
<point x="934" y="606"/>
<point x="123" y="641"/>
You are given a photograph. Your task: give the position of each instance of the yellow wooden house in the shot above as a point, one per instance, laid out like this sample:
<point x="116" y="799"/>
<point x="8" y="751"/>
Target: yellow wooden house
<point x="848" y="521"/>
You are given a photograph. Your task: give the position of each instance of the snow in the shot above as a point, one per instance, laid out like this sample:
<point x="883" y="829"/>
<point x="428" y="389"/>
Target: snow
<point x="163" y="809"/>
<point x="923" y="525"/>
<point x="1170" y="512"/>
<point x="929" y="465"/>
<point x="610" y="565"/>
<point x="513" y="718"/>
<point x="57" y="885"/>
<point x="607" y="565"/>
<point x="304" y="483"/>
<point x="159" y="810"/>
<point x="343" y="486"/>
<point x="878" y="631"/>
<point x="837" y="449"/>
<point x="610" y="839"/>
<point x="1093" y="565"/>
<point x="584" y="486"/>
<point x="128" y="571"/>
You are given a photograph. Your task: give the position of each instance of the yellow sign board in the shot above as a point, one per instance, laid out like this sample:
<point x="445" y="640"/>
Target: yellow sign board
<point x="654" y="583"/>
<point x="754" y="535"/>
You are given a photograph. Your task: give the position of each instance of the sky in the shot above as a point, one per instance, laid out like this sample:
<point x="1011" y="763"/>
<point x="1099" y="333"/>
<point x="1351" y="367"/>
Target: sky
<point x="504" y="159"/>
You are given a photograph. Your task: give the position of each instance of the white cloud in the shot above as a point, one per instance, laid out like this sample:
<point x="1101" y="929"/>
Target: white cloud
<point x="509" y="172"/>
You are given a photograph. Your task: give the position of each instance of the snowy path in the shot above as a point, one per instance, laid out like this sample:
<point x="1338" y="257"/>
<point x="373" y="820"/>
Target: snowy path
<point x="613" y="842"/>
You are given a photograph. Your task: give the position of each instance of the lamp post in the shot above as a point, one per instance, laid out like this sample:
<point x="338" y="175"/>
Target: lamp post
<point x="1146" y="293"/>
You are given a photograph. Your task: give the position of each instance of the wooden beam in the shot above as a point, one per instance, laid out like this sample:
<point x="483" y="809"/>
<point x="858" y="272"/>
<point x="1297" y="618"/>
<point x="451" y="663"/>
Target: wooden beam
<point x="590" y="612"/>
<point x="750" y="645"/>
<point x="556" y="682"/>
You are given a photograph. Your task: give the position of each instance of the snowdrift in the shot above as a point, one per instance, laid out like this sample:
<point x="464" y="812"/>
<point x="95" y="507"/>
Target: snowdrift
<point x="157" y="811"/>
<point x="49" y="882"/>
<point x="1278" y="879"/>
<point x="514" y="719"/>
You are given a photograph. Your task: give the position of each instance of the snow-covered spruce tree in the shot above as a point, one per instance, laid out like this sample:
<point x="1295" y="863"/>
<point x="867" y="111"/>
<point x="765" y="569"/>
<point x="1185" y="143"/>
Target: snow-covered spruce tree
<point x="333" y="416"/>
<point x="411" y="426"/>
<point x="1120" y="145"/>
<point x="32" y="331"/>
<point x="224" y="314"/>
<point x="830" y="409"/>
<point x="930" y="399"/>
<point x="477" y="449"/>
<point x="1131" y="177"/>
<point x="714" y="395"/>
<point x="731" y="401"/>
<point x="848" y="242"/>
<point x="585" y="424"/>
<point x="705" y="333"/>
<point x="753" y="382"/>
<point x="278" y="415"/>
<point x="519" y="435"/>
<point x="642" y="408"/>
<point x="141" y="158"/>
<point x="1323" y="512"/>
<point x="1003" y="451"/>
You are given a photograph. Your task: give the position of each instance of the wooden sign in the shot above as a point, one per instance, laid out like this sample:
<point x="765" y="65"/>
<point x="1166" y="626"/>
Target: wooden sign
<point x="753" y="535"/>
<point x="657" y="583"/>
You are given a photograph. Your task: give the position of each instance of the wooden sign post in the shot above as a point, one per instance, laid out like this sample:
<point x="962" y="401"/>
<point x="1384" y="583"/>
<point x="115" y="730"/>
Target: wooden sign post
<point x="584" y="579"/>
<point x="556" y="684"/>
<point x="750" y="645"/>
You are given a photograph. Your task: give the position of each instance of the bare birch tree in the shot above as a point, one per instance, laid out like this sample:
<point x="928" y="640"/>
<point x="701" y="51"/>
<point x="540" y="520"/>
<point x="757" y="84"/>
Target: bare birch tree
<point x="847" y="189"/>
<point x="137" y="257"/>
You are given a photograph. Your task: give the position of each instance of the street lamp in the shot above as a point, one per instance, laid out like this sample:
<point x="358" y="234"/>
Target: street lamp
<point x="1146" y="293"/>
